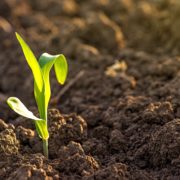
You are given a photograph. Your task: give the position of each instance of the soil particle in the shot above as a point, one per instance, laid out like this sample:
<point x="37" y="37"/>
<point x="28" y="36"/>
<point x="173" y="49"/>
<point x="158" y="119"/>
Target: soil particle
<point x="72" y="159"/>
<point x="158" y="113"/>
<point x="97" y="22"/>
<point x="65" y="128"/>
<point x="69" y="150"/>
<point x="101" y="132"/>
<point x="9" y="144"/>
<point x="24" y="135"/>
<point x="32" y="167"/>
<point x="5" y="9"/>
<point x="94" y="115"/>
<point x="115" y="171"/>
<point x="3" y="125"/>
<point x="68" y="127"/>
<point x="95" y="147"/>
<point x="69" y="8"/>
<point x="56" y="8"/>
<point x="164" y="145"/>
<point x="84" y="51"/>
<point x="117" y="141"/>
<point x="77" y="164"/>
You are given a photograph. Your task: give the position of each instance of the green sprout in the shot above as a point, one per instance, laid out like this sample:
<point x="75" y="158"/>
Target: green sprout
<point x="42" y="90"/>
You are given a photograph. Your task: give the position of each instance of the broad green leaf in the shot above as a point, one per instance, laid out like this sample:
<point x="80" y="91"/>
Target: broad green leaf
<point x="32" y="62"/>
<point x="16" y="105"/>
<point x="38" y="78"/>
<point x="21" y="109"/>
<point x="46" y="62"/>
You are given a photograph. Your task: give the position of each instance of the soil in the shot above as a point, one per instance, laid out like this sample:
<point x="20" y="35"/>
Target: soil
<point x="118" y="115"/>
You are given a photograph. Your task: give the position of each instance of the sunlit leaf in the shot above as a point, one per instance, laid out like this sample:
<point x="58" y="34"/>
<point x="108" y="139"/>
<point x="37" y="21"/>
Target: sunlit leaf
<point x="38" y="78"/>
<point x="21" y="109"/>
<point x="32" y="62"/>
<point x="46" y="62"/>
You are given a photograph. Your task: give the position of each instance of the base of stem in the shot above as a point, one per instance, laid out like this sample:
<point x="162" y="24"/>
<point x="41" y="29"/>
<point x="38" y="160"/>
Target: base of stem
<point x="45" y="148"/>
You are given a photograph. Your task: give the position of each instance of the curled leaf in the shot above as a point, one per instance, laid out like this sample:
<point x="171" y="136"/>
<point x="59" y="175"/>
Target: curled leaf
<point x="46" y="62"/>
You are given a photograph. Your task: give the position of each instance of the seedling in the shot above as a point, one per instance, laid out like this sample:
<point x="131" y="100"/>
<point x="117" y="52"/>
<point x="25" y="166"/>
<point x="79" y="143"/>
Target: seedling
<point x="42" y="89"/>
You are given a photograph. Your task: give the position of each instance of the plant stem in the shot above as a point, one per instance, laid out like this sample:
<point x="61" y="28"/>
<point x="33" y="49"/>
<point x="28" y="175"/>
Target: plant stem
<point x="45" y="141"/>
<point x="45" y="147"/>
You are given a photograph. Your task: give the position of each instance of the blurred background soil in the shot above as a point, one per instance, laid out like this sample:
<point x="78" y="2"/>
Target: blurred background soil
<point x="123" y="84"/>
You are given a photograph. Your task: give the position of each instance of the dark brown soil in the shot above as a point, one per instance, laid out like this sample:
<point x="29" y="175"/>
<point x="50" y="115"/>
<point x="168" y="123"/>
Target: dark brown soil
<point x="118" y="115"/>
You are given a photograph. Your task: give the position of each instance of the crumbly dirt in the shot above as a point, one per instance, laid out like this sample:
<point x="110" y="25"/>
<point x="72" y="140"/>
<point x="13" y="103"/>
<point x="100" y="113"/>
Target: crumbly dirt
<point x="118" y="115"/>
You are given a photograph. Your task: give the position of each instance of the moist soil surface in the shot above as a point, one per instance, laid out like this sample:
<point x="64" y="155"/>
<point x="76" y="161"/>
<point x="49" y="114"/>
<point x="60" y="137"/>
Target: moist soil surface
<point x="118" y="115"/>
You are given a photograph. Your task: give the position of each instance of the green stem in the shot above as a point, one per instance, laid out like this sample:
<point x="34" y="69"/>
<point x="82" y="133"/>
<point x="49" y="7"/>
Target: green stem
<point x="45" y="147"/>
<point x="45" y="141"/>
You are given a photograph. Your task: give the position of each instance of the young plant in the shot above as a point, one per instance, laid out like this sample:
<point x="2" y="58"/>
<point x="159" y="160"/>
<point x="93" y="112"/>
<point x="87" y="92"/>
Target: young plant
<point x="42" y="90"/>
